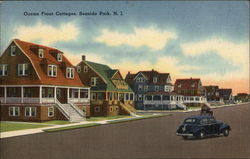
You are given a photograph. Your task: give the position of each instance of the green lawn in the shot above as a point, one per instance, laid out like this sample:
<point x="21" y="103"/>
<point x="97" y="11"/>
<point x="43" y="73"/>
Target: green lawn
<point x="8" y="126"/>
<point x="71" y="127"/>
<point x="57" y="122"/>
<point x="108" y="118"/>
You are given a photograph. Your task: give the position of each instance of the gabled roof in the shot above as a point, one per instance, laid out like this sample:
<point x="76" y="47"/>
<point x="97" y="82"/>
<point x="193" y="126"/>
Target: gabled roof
<point x="226" y="92"/>
<point x="37" y="63"/>
<point x="161" y="77"/>
<point x="190" y="83"/>
<point x="106" y="73"/>
<point x="211" y="88"/>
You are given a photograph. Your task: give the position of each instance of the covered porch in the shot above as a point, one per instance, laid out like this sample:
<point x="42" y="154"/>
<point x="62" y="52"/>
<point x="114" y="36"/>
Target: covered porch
<point x="43" y="94"/>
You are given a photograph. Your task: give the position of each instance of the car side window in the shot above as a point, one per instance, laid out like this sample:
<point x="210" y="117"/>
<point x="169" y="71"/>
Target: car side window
<point x="204" y="121"/>
<point x="212" y="120"/>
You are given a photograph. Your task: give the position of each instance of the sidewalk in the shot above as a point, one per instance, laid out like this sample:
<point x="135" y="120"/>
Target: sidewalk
<point x="40" y="130"/>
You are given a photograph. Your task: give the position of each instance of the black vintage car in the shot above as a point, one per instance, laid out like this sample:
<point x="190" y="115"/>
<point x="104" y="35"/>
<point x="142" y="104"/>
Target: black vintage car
<point x="201" y="126"/>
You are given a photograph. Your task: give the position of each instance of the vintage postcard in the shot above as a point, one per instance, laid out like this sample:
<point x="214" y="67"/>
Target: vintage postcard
<point x="124" y="79"/>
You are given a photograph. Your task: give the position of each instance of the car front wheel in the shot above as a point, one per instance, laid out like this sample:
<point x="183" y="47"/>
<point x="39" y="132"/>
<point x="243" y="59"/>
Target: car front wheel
<point x="202" y="135"/>
<point x="226" y="132"/>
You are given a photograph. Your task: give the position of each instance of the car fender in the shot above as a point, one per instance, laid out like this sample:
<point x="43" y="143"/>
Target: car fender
<point x="223" y="127"/>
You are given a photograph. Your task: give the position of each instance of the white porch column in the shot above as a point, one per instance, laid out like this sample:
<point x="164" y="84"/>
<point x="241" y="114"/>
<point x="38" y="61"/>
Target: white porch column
<point x="161" y="99"/>
<point x="79" y="95"/>
<point x="55" y="94"/>
<point x="40" y="94"/>
<point x="21" y="94"/>
<point x="68" y="95"/>
<point x="88" y="93"/>
<point x="5" y="94"/>
<point x="152" y="98"/>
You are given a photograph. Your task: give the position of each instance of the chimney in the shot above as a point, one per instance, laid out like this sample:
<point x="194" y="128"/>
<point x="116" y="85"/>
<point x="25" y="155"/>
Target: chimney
<point x="83" y="57"/>
<point x="128" y="72"/>
<point x="152" y="70"/>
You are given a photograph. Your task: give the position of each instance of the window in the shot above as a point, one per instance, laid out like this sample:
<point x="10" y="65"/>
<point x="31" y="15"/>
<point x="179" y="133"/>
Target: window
<point x="23" y="69"/>
<point x="13" y="50"/>
<point x="30" y="111"/>
<point x="140" y="79"/>
<point x="93" y="81"/>
<point x="52" y="70"/>
<point x="50" y="111"/>
<point x="85" y="69"/>
<point x="3" y="69"/>
<point x="40" y="53"/>
<point x="139" y="97"/>
<point x="43" y="92"/>
<point x="14" y="111"/>
<point x="155" y="79"/>
<point x="58" y="93"/>
<point x="97" y="109"/>
<point x="59" y="57"/>
<point x="78" y="69"/>
<point x="140" y="87"/>
<point x="50" y="92"/>
<point x="70" y="72"/>
<point x="93" y="96"/>
<point x="111" y="109"/>
<point x="179" y="86"/>
<point x="117" y="108"/>
<point x="204" y="121"/>
<point x="145" y="88"/>
<point x="131" y="96"/>
<point x="27" y="92"/>
<point x="156" y="88"/>
<point x="99" y="96"/>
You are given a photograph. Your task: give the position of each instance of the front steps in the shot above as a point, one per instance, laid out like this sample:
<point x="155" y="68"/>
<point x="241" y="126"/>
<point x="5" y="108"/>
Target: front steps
<point x="71" y="112"/>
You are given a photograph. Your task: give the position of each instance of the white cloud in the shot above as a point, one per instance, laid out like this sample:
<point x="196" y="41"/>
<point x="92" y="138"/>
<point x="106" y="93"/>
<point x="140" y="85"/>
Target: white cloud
<point x="48" y="34"/>
<point x="236" y="53"/>
<point x="151" y="37"/>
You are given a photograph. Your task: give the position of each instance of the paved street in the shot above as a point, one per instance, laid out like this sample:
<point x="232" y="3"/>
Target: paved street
<point x="149" y="138"/>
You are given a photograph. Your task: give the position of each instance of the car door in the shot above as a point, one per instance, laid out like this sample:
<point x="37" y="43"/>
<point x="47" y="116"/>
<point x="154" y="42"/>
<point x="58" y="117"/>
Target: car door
<point x="204" y="123"/>
<point x="214" y="126"/>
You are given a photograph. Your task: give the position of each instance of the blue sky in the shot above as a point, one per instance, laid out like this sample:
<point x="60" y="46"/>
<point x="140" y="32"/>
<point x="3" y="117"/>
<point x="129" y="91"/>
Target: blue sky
<point x="201" y="39"/>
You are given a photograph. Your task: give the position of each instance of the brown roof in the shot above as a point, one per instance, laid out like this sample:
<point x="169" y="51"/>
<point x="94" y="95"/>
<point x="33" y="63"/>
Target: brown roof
<point x="161" y="77"/>
<point x="37" y="62"/>
<point x="226" y="92"/>
<point x="211" y="88"/>
<point x="190" y="83"/>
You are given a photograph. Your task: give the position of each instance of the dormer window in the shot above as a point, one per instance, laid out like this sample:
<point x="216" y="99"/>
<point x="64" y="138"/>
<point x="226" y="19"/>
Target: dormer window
<point x="40" y="53"/>
<point x="13" y="50"/>
<point x="85" y="69"/>
<point x="3" y="69"/>
<point x="168" y="80"/>
<point x="52" y="70"/>
<point x="155" y="79"/>
<point x="78" y="68"/>
<point x="70" y="72"/>
<point x="193" y="85"/>
<point x="59" y="57"/>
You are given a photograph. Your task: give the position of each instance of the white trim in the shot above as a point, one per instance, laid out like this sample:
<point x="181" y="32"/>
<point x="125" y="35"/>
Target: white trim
<point x="13" y="47"/>
<point x="28" y="58"/>
<point x="40" y="53"/>
<point x="14" y="114"/>
<point x="53" y="112"/>
<point x="142" y="75"/>
<point x="59" y="57"/>
<point x="44" y="86"/>
<point x="29" y="112"/>
<point x="4" y="68"/>
<point x="52" y="74"/>
<point x="115" y="73"/>
<point x="71" y="71"/>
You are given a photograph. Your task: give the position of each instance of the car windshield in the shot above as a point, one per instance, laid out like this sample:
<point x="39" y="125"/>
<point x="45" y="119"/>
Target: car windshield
<point x="190" y="121"/>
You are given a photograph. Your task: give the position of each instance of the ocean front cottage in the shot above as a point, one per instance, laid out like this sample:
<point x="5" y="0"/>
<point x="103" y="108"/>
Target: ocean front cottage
<point x="213" y="95"/>
<point x="154" y="91"/>
<point x="227" y="95"/>
<point x="110" y="94"/>
<point x="38" y="83"/>
<point x="192" y="90"/>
